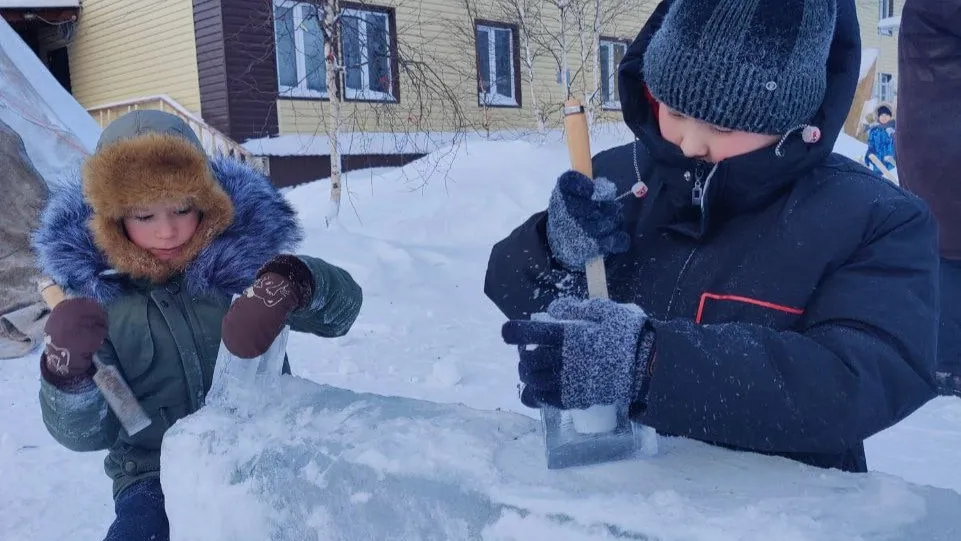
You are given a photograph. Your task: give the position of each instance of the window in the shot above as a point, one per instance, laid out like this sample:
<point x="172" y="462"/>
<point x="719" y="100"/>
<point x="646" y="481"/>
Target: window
<point x="611" y="53"/>
<point x="367" y="59"/>
<point x="885" y="91"/>
<point x="366" y="43"/>
<point x="885" y="11"/>
<point x="301" y="70"/>
<point x="497" y="66"/>
<point x="885" y="8"/>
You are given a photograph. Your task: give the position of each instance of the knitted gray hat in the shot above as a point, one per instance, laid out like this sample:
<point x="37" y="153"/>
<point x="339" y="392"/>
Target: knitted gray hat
<point x="758" y="66"/>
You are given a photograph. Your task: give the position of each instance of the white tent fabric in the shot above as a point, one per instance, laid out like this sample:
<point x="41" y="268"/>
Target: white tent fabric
<point x="44" y="136"/>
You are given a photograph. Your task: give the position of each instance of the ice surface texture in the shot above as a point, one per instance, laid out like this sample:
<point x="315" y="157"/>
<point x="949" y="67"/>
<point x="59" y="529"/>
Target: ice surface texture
<point x="315" y="462"/>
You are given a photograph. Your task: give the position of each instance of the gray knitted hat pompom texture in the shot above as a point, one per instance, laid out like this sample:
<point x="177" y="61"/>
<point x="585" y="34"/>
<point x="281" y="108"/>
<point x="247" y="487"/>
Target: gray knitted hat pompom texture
<point x="758" y="66"/>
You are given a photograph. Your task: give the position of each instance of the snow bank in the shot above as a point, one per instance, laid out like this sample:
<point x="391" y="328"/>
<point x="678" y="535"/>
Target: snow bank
<point x="56" y="130"/>
<point x="924" y="448"/>
<point x="320" y="463"/>
<point x="850" y="147"/>
<point x="309" y="144"/>
<point x="868" y="57"/>
<point x="318" y="144"/>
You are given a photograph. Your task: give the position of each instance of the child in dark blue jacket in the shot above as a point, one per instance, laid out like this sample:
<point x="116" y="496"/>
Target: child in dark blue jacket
<point x="766" y="294"/>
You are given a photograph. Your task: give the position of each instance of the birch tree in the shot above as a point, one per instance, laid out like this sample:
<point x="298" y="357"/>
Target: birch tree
<point x="334" y="64"/>
<point x="551" y="33"/>
<point x="593" y="16"/>
<point x="361" y="65"/>
<point x="527" y="14"/>
<point x="573" y="28"/>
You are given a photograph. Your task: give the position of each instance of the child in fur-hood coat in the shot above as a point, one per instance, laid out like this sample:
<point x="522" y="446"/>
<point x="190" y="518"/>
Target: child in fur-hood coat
<point x="151" y="244"/>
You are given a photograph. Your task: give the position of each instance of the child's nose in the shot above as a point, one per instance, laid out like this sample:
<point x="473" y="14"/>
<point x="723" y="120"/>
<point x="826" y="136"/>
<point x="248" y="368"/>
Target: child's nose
<point x="166" y="229"/>
<point x="693" y="146"/>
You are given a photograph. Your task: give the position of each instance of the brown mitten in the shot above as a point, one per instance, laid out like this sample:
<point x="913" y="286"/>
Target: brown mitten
<point x="75" y="331"/>
<point x="256" y="318"/>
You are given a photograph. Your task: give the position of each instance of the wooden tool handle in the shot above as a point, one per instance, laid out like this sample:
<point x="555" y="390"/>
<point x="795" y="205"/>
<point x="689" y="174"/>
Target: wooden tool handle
<point x="578" y="138"/>
<point x="579" y="148"/>
<point x="51" y="293"/>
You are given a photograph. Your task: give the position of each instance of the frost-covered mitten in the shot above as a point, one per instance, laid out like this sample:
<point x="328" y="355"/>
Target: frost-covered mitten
<point x="256" y="318"/>
<point x="584" y="220"/>
<point x="589" y="352"/>
<point x="75" y="331"/>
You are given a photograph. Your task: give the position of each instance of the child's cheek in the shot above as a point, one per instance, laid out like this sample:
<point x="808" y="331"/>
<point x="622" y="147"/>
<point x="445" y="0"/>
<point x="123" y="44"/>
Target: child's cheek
<point x="668" y="126"/>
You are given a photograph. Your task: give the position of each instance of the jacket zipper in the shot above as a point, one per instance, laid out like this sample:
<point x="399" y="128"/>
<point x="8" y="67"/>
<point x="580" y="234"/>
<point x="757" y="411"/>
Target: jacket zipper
<point x="697" y="192"/>
<point x="697" y="197"/>
<point x="192" y="324"/>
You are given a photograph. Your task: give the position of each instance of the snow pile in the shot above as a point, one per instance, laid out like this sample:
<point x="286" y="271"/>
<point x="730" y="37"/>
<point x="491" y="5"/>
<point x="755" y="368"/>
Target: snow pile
<point x="850" y="147"/>
<point x="309" y="144"/>
<point x="56" y="130"/>
<point x="318" y="144"/>
<point x="319" y="462"/>
<point x="868" y="57"/>
<point x="924" y="448"/>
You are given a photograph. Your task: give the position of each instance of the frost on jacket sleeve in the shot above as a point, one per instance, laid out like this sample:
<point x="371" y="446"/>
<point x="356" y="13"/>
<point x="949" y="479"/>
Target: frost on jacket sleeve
<point x="863" y="361"/>
<point x="336" y="303"/>
<point x="522" y="275"/>
<point x="80" y="420"/>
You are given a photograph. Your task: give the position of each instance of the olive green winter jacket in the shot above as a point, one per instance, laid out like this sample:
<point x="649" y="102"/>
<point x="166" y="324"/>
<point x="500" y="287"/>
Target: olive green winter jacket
<point x="164" y="323"/>
<point x="165" y="342"/>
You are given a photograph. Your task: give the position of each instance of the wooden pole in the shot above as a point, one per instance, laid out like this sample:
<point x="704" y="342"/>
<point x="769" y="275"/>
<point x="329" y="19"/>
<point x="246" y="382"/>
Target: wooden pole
<point x="579" y="148"/>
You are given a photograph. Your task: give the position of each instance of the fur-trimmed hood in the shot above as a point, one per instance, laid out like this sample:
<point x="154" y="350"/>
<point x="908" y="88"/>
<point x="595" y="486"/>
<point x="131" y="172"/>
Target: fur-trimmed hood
<point x="264" y="224"/>
<point x="141" y="170"/>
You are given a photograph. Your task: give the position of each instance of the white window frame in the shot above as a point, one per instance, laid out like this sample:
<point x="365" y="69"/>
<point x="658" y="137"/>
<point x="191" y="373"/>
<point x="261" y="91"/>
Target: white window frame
<point x="494" y="98"/>
<point x="610" y="44"/>
<point x="885" y="13"/>
<point x="366" y="93"/>
<point x="301" y="90"/>
<point x="885" y="91"/>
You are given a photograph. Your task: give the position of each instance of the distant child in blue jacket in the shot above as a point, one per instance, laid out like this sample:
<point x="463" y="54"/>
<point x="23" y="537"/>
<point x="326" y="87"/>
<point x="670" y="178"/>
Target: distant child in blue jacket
<point x="881" y="140"/>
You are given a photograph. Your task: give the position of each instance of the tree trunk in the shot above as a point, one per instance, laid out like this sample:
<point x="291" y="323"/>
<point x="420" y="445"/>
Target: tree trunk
<point x="588" y="102"/>
<point x="587" y="48"/>
<point x="334" y="66"/>
<point x="596" y="60"/>
<point x="565" y="69"/>
<point x="529" y="64"/>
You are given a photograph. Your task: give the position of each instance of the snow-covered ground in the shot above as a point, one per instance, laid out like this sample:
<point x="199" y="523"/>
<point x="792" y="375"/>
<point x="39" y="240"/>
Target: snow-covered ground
<point x="419" y="248"/>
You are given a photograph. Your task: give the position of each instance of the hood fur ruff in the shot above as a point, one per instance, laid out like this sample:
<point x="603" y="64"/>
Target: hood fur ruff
<point x="138" y="172"/>
<point x="79" y="248"/>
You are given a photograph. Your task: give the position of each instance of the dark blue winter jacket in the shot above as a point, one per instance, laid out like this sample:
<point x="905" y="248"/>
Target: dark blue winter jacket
<point x="796" y="315"/>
